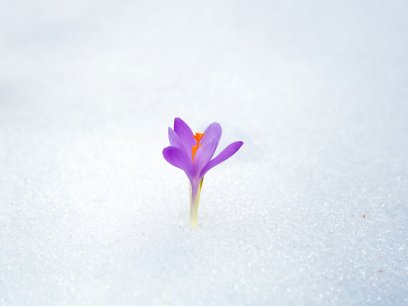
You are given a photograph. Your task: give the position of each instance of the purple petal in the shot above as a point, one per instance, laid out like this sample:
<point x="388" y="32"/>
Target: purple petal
<point x="174" y="139"/>
<point x="178" y="158"/>
<point x="211" y="133"/>
<point x="209" y="143"/>
<point x="203" y="156"/>
<point x="185" y="134"/>
<point x="224" y="155"/>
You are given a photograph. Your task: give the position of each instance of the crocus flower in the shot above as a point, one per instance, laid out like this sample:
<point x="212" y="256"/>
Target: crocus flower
<point x="193" y="154"/>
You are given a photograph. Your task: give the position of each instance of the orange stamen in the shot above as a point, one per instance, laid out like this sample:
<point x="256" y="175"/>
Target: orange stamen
<point x="197" y="137"/>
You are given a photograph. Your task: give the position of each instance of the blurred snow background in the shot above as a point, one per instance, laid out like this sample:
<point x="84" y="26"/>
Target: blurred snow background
<point x="312" y="210"/>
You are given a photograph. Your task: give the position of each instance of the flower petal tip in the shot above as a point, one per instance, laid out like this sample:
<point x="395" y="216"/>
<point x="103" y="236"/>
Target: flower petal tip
<point x="178" y="121"/>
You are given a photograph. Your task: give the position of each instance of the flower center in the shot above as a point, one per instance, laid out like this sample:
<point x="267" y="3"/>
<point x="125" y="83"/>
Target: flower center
<point x="194" y="148"/>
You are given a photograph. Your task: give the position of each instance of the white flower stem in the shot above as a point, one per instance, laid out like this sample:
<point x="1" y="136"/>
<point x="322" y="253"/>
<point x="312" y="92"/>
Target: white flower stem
<point x="194" y="203"/>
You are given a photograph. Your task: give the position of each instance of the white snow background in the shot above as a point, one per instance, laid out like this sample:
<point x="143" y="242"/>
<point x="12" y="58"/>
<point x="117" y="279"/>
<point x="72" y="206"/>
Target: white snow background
<point x="311" y="211"/>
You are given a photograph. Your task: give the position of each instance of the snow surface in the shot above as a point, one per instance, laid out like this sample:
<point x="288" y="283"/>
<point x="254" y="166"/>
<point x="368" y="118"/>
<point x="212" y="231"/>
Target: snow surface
<point x="312" y="210"/>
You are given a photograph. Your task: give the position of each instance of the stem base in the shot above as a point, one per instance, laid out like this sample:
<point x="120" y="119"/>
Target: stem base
<point x="195" y="203"/>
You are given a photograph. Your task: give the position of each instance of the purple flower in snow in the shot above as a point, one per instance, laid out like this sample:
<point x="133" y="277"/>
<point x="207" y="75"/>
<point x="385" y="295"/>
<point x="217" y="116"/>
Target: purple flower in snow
<point x="193" y="154"/>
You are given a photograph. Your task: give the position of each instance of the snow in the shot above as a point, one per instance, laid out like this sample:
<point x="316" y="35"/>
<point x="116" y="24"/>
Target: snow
<point x="312" y="210"/>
